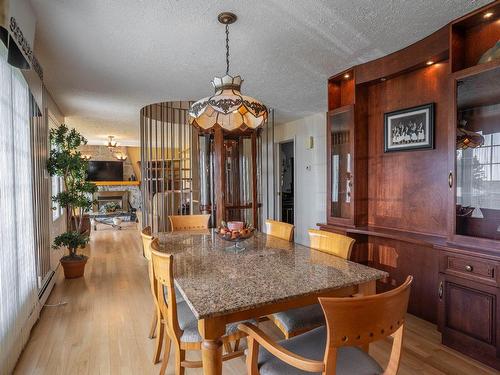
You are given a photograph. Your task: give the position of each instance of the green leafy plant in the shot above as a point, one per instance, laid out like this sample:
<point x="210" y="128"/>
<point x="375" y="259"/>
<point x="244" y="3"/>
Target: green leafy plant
<point x="66" y="161"/>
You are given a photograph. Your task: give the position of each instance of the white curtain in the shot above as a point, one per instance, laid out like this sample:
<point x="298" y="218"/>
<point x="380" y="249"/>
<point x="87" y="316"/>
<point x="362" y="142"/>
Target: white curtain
<point x="18" y="283"/>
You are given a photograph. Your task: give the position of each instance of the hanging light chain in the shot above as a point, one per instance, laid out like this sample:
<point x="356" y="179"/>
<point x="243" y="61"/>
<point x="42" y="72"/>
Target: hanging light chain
<point x="227" y="49"/>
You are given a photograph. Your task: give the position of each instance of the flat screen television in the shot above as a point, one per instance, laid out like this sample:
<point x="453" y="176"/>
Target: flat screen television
<point x="105" y="171"/>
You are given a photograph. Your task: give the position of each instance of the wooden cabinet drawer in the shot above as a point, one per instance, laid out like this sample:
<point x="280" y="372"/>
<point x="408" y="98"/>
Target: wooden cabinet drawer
<point x="477" y="269"/>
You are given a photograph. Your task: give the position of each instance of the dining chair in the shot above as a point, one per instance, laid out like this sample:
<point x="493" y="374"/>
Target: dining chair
<point x="279" y="229"/>
<point x="179" y="321"/>
<point x="188" y="222"/>
<point x="293" y="322"/>
<point x="147" y="239"/>
<point x="351" y="324"/>
<point x="332" y="243"/>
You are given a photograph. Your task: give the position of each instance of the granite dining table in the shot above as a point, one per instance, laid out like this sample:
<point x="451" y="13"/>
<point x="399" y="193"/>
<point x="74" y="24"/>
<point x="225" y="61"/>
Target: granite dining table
<point x="222" y="286"/>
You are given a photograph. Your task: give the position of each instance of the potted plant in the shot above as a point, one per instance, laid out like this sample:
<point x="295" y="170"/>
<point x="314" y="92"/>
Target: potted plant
<point x="66" y="162"/>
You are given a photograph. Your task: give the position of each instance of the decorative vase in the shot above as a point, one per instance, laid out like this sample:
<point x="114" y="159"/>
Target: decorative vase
<point x="73" y="268"/>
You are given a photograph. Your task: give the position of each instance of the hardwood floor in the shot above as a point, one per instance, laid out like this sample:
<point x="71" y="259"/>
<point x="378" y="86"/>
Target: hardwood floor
<point x="103" y="327"/>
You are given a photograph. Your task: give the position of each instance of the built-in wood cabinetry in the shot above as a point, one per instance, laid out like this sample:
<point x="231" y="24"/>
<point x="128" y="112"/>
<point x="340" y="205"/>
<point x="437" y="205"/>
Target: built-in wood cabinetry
<point x="411" y="211"/>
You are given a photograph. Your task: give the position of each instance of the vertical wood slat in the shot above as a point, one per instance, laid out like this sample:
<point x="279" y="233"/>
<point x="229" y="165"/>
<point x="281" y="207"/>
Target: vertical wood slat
<point x="41" y="191"/>
<point x="164" y="130"/>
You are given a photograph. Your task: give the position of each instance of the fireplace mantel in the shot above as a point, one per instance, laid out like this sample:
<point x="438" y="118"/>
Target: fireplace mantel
<point x="117" y="183"/>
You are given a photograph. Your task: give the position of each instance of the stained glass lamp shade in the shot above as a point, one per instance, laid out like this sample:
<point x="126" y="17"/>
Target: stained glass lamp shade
<point x="228" y="108"/>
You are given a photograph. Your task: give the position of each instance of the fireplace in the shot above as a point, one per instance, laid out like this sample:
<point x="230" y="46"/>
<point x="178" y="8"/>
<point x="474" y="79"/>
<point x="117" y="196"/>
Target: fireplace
<point x="103" y="197"/>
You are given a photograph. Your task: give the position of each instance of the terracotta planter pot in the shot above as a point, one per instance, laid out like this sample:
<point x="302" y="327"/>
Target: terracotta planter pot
<point x="73" y="268"/>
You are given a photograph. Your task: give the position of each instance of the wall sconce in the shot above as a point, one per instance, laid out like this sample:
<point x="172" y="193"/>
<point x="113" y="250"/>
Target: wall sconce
<point x="121" y="157"/>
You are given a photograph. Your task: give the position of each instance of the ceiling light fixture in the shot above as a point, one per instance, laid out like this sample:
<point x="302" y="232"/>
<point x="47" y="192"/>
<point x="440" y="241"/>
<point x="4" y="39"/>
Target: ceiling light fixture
<point x="430" y="62"/>
<point x="488" y="15"/>
<point x="347" y="76"/>
<point x="466" y="138"/>
<point x="228" y="108"/>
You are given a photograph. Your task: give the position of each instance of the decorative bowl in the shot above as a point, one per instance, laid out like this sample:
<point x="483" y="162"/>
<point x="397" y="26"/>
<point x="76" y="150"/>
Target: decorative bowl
<point x="235" y="236"/>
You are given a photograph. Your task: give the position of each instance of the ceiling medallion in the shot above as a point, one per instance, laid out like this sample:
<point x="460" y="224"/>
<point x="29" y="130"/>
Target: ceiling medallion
<point x="228" y="108"/>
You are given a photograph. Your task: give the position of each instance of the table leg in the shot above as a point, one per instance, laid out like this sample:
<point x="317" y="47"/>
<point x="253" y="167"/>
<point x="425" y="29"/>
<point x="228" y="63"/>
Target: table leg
<point x="211" y="348"/>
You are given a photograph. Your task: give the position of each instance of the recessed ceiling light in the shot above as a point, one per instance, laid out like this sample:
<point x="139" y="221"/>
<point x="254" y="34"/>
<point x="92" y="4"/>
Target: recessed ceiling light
<point x="488" y="14"/>
<point x="383" y="79"/>
<point x="430" y="62"/>
<point x="346" y="76"/>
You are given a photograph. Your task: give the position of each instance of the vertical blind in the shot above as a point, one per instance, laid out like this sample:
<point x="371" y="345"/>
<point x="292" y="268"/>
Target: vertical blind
<point x="18" y="283"/>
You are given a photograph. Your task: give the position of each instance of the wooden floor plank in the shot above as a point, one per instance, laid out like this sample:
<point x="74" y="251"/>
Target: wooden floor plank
<point x="103" y="327"/>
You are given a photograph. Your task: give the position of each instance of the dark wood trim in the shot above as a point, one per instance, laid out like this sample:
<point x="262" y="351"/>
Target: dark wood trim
<point x="395" y="234"/>
<point x="434" y="47"/>
<point x="219" y="175"/>
<point x="255" y="203"/>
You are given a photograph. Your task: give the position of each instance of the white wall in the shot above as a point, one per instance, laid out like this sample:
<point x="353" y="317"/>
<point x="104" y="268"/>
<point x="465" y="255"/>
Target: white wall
<point x="310" y="183"/>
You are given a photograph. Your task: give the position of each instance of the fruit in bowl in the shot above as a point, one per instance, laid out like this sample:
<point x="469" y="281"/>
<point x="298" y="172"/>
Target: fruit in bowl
<point x="235" y="231"/>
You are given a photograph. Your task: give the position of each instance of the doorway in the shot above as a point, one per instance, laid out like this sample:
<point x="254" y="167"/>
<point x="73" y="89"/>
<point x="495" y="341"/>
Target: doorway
<point x="286" y="183"/>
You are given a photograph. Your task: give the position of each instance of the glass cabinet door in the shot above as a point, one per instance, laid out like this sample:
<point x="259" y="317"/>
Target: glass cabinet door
<point x="478" y="156"/>
<point x="340" y="165"/>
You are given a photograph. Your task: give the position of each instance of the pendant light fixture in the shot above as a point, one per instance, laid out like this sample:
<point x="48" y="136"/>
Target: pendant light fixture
<point x="228" y="108"/>
<point x="466" y="138"/>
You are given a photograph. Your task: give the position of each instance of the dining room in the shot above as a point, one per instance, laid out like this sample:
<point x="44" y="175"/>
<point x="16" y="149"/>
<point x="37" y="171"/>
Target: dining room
<point x="343" y="219"/>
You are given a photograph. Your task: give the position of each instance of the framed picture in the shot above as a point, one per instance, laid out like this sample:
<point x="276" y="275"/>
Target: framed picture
<point x="409" y="129"/>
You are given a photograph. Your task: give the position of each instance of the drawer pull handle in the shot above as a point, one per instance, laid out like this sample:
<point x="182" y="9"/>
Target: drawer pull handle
<point x="469" y="268"/>
<point x="440" y="290"/>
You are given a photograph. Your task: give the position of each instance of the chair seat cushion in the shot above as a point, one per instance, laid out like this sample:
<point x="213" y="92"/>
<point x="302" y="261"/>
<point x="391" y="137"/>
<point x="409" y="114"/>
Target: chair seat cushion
<point x="300" y="318"/>
<point x="189" y="324"/>
<point x="350" y="360"/>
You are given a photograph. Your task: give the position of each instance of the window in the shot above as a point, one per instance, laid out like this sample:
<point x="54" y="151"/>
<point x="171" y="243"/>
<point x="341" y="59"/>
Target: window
<point x="488" y="157"/>
<point x="18" y="280"/>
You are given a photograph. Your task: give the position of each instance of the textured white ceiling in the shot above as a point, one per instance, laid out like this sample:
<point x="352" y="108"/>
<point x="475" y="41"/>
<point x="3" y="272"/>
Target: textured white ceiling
<point x="105" y="59"/>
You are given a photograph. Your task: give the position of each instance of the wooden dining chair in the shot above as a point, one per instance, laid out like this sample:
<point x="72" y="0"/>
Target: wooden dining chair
<point x="188" y="222"/>
<point x="332" y="243"/>
<point x="279" y="229"/>
<point x="293" y="322"/>
<point x="179" y="321"/>
<point x="147" y="239"/>
<point x="351" y="323"/>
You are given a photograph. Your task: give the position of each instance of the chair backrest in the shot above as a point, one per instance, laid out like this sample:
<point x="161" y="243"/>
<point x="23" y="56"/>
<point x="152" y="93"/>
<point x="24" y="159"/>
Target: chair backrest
<point x="280" y="230"/>
<point x="188" y="222"/>
<point x="332" y="243"/>
<point x="359" y="321"/>
<point x="163" y="265"/>
<point x="147" y="238"/>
